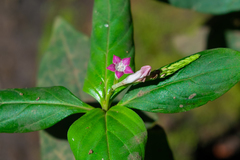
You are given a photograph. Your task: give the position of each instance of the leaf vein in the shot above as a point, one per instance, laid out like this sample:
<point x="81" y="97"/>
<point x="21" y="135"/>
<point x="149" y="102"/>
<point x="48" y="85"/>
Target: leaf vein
<point x="69" y="58"/>
<point x="184" y="79"/>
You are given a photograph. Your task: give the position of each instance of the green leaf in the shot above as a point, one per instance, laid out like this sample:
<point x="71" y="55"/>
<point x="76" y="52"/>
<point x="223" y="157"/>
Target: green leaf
<point x="63" y="64"/>
<point x="203" y="80"/>
<point x="118" y="133"/>
<point x="27" y="110"/>
<point x="112" y="34"/>
<point x="65" y="61"/>
<point x="207" y="6"/>
<point x="172" y="68"/>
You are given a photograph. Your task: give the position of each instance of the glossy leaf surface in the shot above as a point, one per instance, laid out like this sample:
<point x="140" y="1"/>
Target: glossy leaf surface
<point x="112" y="34"/>
<point x="203" y="80"/>
<point x="118" y="133"/>
<point x="26" y="110"/>
<point x="207" y="6"/>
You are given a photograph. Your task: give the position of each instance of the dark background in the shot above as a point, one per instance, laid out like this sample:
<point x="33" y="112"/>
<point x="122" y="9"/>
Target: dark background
<point x="20" y="31"/>
<point x="25" y="30"/>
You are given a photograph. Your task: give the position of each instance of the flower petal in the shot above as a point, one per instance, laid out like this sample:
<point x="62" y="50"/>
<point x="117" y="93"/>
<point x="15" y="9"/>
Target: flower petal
<point x="126" y="61"/>
<point x="145" y="70"/>
<point x="133" y="77"/>
<point x="119" y="74"/>
<point x="111" y="67"/>
<point x="116" y="59"/>
<point x="128" y="70"/>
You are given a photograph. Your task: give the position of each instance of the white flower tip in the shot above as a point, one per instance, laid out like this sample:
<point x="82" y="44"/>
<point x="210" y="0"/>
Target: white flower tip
<point x="139" y="76"/>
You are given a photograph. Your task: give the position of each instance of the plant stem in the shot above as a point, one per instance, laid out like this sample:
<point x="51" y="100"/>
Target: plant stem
<point x="115" y="86"/>
<point x="107" y="102"/>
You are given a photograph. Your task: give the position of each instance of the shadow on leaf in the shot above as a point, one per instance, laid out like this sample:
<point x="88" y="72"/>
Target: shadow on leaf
<point x="60" y="129"/>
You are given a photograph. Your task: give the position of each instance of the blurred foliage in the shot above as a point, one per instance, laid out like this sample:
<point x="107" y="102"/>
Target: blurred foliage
<point x="206" y="6"/>
<point x="77" y="13"/>
<point x="156" y="26"/>
<point x="63" y="64"/>
<point x="164" y="34"/>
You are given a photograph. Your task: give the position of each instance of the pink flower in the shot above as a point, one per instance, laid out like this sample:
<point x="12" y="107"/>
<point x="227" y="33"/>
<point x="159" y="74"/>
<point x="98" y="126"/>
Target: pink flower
<point x="120" y="66"/>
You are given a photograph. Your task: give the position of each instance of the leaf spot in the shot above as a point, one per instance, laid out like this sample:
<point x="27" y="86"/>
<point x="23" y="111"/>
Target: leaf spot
<point x="137" y="139"/>
<point x="134" y="156"/>
<point x="72" y="139"/>
<point x="37" y="98"/>
<point x="21" y="94"/>
<point x="181" y="106"/>
<point x="192" y="95"/>
<point x="140" y="93"/>
<point x="174" y="97"/>
<point x="106" y="25"/>
<point x="90" y="151"/>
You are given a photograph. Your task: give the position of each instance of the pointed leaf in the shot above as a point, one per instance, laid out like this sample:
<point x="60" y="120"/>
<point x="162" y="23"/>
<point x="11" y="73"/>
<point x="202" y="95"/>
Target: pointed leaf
<point x="26" y="110"/>
<point x="203" y="80"/>
<point x="65" y="61"/>
<point x="112" y="34"/>
<point x="64" y="64"/>
<point x="208" y="6"/>
<point x="118" y="133"/>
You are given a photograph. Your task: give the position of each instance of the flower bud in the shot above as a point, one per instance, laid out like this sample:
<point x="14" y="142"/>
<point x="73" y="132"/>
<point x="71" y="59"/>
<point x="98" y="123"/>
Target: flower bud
<point x="139" y="76"/>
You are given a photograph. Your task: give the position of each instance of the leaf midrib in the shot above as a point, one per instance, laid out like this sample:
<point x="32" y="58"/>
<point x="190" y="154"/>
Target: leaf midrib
<point x="27" y="126"/>
<point x="126" y="102"/>
<point x="107" y="51"/>
<point x="69" y="59"/>
<point x="69" y="105"/>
